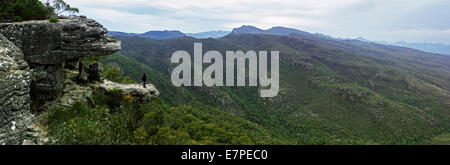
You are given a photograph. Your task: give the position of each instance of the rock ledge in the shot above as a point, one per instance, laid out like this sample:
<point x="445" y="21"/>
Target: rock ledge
<point x="136" y="91"/>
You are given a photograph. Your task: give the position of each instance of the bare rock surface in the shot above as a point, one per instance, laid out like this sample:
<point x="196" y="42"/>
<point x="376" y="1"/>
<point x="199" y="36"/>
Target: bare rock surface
<point x="136" y="91"/>
<point x="15" y="79"/>
<point x="48" y="46"/>
<point x="32" y="59"/>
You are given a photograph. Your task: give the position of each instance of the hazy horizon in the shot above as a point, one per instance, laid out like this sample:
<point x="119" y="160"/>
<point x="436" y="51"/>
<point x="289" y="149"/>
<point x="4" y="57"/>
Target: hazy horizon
<point x="383" y="20"/>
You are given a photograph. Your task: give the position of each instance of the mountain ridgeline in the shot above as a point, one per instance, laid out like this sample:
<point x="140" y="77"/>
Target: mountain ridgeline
<point x="166" y="34"/>
<point x="428" y="47"/>
<point x="331" y="91"/>
<point x="172" y="34"/>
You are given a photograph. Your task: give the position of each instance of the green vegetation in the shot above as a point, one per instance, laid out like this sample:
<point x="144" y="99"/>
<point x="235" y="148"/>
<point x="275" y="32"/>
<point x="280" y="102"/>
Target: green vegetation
<point x="83" y="125"/>
<point x="21" y="10"/>
<point x="155" y="123"/>
<point x="114" y="74"/>
<point x="53" y="19"/>
<point x="18" y="10"/>
<point x="118" y="63"/>
<point x="109" y="72"/>
<point x="441" y="140"/>
<point x="332" y="92"/>
<point x="59" y="7"/>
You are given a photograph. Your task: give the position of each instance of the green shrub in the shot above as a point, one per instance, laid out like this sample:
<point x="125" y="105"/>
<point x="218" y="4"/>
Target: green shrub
<point x="31" y="9"/>
<point x="21" y="10"/>
<point x="58" y="115"/>
<point x="111" y="98"/>
<point x="114" y="74"/>
<point x="17" y="18"/>
<point x="155" y="124"/>
<point x="83" y="125"/>
<point x="183" y="125"/>
<point x="53" y="19"/>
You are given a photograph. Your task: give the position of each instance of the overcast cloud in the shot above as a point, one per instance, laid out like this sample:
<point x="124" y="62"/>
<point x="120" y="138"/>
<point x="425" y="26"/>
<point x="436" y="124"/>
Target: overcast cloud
<point x="380" y="20"/>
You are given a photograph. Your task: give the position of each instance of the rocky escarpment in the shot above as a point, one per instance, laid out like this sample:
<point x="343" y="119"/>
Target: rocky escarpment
<point x="32" y="59"/>
<point x="15" y="79"/>
<point x="48" y="46"/>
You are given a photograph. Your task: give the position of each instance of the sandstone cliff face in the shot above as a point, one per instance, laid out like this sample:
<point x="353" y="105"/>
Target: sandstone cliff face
<point x="48" y="46"/>
<point x="32" y="58"/>
<point x="15" y="79"/>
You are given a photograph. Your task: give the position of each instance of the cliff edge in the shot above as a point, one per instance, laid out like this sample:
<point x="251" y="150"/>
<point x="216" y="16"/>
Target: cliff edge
<point x="32" y="59"/>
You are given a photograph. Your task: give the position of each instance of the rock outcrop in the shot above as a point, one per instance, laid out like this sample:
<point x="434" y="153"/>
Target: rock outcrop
<point x="73" y="91"/>
<point x="95" y="72"/>
<point x="138" y="93"/>
<point x="32" y="58"/>
<point x="15" y="79"/>
<point x="48" y="46"/>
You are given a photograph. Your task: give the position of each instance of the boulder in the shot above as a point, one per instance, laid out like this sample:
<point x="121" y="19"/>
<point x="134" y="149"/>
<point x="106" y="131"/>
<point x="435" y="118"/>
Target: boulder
<point x="139" y="94"/>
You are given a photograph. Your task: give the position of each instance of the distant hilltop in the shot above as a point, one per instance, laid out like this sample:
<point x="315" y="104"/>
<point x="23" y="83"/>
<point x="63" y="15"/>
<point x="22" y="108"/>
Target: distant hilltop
<point x="166" y="34"/>
<point x="245" y="29"/>
<point x="437" y="48"/>
<point x="279" y="30"/>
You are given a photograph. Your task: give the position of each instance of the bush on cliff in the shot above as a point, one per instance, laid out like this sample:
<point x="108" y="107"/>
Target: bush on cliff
<point x="115" y="75"/>
<point x="21" y="10"/>
<point x="18" y="10"/>
<point x="53" y="19"/>
<point x="88" y="126"/>
<point x="156" y="124"/>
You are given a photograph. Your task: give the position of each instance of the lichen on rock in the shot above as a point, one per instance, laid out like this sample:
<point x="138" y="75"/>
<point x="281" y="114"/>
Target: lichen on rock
<point x="15" y="79"/>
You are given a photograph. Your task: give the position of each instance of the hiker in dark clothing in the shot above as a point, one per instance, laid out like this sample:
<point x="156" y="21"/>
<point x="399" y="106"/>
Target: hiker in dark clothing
<point x="144" y="79"/>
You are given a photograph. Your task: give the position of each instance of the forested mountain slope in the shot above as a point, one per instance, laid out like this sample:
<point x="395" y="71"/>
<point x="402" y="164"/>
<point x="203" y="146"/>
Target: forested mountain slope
<point x="331" y="92"/>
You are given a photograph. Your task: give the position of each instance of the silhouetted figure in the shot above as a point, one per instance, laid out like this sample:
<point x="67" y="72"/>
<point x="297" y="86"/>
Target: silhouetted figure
<point x="144" y="79"/>
<point x="80" y="67"/>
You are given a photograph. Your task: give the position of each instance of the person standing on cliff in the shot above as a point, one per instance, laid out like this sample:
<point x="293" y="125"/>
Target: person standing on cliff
<point x="144" y="79"/>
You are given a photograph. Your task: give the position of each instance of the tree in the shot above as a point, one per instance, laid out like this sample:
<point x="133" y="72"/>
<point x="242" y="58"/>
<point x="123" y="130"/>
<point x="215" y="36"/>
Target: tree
<point x="60" y="7"/>
<point x="20" y="10"/>
<point x="29" y="10"/>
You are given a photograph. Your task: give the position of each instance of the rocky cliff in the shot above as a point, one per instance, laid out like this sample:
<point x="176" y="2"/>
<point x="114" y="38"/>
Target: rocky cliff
<point x="48" y="46"/>
<point x="32" y="59"/>
<point x="15" y="79"/>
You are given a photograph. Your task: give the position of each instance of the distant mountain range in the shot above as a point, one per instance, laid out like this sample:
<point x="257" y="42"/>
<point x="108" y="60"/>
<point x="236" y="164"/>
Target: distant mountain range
<point x="426" y="47"/>
<point x="247" y="29"/>
<point x="278" y="30"/>
<point x="332" y="91"/>
<point x="209" y="34"/>
<point x="166" y="34"/>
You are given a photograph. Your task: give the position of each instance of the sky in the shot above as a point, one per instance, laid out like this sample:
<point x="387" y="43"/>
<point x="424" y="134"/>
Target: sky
<point x="376" y="20"/>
